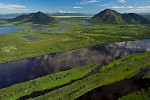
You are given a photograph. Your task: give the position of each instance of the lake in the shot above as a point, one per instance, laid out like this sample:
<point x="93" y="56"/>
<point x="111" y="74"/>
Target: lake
<point x="31" y="37"/>
<point x="24" y="70"/>
<point x="85" y="23"/>
<point x="7" y="30"/>
<point x="39" y="27"/>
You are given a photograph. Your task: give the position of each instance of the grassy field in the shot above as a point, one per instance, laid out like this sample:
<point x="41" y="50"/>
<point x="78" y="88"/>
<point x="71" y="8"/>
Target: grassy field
<point x="15" y="47"/>
<point x="144" y="94"/>
<point x="47" y="82"/>
<point x="147" y="75"/>
<point x="121" y="69"/>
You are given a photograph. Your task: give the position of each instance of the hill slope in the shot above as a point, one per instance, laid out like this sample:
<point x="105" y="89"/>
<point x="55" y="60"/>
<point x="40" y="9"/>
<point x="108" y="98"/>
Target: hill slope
<point x="109" y="16"/>
<point x="146" y="16"/>
<point x="132" y="18"/>
<point x="37" y="18"/>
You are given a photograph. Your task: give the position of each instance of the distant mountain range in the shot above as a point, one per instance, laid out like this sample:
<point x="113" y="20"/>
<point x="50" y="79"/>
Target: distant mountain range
<point x="9" y="15"/>
<point x="37" y="18"/>
<point x="50" y="14"/>
<point x="109" y="16"/>
<point x="69" y="14"/>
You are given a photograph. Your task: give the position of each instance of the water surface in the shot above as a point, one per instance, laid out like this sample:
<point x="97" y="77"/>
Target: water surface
<point x="7" y="30"/>
<point x="24" y="70"/>
<point x="39" y="27"/>
<point x="31" y="37"/>
<point x="85" y="23"/>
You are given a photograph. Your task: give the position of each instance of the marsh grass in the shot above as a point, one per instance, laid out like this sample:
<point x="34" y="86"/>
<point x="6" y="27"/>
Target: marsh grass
<point x="116" y="71"/>
<point x="144" y="94"/>
<point x="47" y="82"/>
<point x="76" y="36"/>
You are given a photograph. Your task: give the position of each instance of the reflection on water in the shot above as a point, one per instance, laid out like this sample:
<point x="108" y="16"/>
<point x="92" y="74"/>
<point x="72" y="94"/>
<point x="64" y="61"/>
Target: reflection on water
<point x="19" y="71"/>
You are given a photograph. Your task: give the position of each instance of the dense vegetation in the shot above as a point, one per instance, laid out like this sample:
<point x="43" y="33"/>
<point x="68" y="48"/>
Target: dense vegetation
<point x="47" y="82"/>
<point x="121" y="69"/>
<point x="15" y="47"/>
<point x="147" y="75"/>
<point x="144" y="94"/>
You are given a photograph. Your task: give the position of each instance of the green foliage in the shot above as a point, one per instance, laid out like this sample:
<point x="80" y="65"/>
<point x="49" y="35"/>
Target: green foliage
<point x="144" y="94"/>
<point x="9" y="49"/>
<point x="47" y="82"/>
<point x="76" y="36"/>
<point x="121" y="69"/>
<point x="147" y="75"/>
<point x="15" y="47"/>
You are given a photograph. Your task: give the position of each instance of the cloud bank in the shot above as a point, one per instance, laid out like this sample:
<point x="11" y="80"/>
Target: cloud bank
<point x="88" y="1"/>
<point x="78" y="7"/>
<point x="12" y="6"/>
<point x="122" y="1"/>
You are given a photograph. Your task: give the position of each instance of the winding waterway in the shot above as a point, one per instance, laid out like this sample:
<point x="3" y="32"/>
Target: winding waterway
<point x="24" y="70"/>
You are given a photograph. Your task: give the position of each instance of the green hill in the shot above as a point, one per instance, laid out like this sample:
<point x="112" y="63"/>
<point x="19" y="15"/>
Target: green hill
<point x="109" y="16"/>
<point x="147" y="16"/>
<point x="132" y="18"/>
<point x="37" y="18"/>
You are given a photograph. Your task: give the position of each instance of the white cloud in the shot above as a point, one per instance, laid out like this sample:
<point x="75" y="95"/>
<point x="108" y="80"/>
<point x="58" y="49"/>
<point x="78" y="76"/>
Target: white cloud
<point x="78" y="7"/>
<point x="88" y="1"/>
<point x="122" y="1"/>
<point x="61" y="11"/>
<point x="103" y="5"/>
<point x="12" y="6"/>
<point x="118" y="7"/>
<point x="133" y="8"/>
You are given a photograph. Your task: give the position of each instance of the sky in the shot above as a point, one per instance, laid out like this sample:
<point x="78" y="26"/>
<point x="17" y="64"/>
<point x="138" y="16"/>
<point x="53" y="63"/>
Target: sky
<point x="74" y="6"/>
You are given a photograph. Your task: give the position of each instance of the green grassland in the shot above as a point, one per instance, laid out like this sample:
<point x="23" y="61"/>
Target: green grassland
<point x="124" y="68"/>
<point x="15" y="47"/>
<point x="147" y="75"/>
<point x="144" y="94"/>
<point x="47" y="82"/>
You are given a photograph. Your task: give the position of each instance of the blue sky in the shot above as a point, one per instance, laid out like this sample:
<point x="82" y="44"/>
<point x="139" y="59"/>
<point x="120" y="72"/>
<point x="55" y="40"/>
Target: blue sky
<point x="78" y="6"/>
